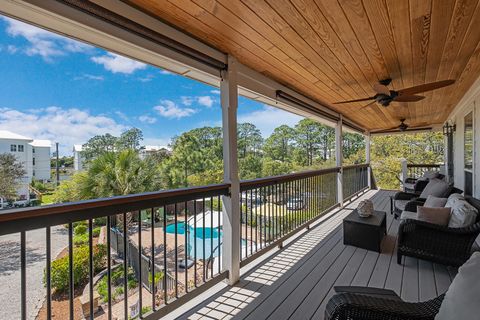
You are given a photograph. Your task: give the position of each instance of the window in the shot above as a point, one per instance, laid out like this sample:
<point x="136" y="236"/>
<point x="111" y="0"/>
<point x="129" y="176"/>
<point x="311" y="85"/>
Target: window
<point x="34" y="173"/>
<point x="33" y="161"/>
<point x="20" y="148"/>
<point x="468" y="141"/>
<point x="13" y="148"/>
<point x="33" y="150"/>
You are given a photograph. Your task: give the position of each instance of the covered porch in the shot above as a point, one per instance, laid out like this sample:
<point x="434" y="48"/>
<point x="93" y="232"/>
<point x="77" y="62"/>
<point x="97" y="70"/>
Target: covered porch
<point x="297" y="281"/>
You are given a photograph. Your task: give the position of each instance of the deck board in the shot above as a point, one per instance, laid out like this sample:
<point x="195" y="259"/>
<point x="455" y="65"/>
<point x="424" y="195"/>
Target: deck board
<point x="297" y="281"/>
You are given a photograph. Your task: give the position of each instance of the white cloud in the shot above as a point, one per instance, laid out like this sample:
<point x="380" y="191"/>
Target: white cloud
<point x="269" y="118"/>
<point x="206" y="101"/>
<point x="215" y="91"/>
<point x="166" y="72"/>
<point x="164" y="142"/>
<point x="187" y="100"/>
<point x="87" y="76"/>
<point x="118" y="64"/>
<point x="147" y="78"/>
<point x="171" y="110"/>
<point x="12" y="49"/>
<point x="66" y="126"/>
<point x="147" y="119"/>
<point x="122" y="116"/>
<point x="42" y="42"/>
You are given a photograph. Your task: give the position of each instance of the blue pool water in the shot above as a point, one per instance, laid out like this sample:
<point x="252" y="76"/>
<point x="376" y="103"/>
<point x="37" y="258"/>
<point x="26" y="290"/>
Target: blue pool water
<point x="208" y="238"/>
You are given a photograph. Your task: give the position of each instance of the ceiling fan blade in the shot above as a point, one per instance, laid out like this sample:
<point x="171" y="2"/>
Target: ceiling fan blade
<point x="396" y="130"/>
<point x="408" y="98"/>
<point x="367" y="105"/>
<point x="426" y="87"/>
<point x="380" y="88"/>
<point x="356" y="100"/>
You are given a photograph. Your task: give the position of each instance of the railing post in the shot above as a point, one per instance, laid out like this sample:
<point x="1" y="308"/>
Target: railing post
<point x="231" y="204"/>
<point x="404" y="173"/>
<point x="367" y="160"/>
<point x="339" y="159"/>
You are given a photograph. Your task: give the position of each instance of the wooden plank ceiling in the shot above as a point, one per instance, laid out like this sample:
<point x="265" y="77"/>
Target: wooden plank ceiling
<point x="333" y="50"/>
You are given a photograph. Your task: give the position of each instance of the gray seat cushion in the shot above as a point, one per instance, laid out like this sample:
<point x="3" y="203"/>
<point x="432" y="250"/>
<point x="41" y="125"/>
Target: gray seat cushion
<point x="435" y="187"/>
<point x="400" y="204"/>
<point x="408" y="215"/>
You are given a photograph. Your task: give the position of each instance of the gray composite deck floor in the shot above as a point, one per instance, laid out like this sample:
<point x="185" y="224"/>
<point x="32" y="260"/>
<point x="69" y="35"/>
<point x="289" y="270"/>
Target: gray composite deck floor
<point x="297" y="281"/>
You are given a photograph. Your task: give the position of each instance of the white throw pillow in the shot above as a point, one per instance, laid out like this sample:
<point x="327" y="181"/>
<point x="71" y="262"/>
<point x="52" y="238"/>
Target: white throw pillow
<point x="434" y="187"/>
<point x="435" y="202"/>
<point x="462" y="298"/>
<point x="463" y="214"/>
<point x="454" y="197"/>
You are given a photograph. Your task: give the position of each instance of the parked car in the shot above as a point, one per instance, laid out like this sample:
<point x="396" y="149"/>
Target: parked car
<point x="295" y="204"/>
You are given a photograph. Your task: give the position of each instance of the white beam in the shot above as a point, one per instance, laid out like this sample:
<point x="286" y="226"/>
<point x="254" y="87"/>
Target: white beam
<point x="367" y="159"/>
<point x="339" y="159"/>
<point x="231" y="204"/>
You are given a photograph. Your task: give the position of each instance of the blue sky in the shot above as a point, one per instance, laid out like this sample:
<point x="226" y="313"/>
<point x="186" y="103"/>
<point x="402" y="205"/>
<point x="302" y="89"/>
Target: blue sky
<point x="55" y="88"/>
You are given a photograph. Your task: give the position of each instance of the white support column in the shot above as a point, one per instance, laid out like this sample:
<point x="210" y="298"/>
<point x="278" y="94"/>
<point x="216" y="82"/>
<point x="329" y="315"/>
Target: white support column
<point x="339" y="159"/>
<point x="367" y="159"/>
<point x="231" y="204"/>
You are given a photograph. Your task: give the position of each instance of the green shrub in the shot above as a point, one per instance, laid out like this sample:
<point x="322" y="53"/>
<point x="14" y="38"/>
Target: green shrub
<point x="117" y="283"/>
<point x="96" y="231"/>
<point x="80" y="239"/>
<point x="100" y="221"/>
<point x="59" y="268"/>
<point x="80" y="229"/>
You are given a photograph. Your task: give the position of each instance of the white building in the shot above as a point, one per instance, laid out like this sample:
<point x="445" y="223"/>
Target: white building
<point x="77" y="157"/>
<point x="150" y="150"/>
<point x="33" y="154"/>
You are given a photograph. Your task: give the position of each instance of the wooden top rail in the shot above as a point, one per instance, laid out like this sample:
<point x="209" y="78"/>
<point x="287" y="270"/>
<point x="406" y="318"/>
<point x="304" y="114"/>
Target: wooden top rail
<point x="419" y="165"/>
<point x="262" y="182"/>
<point x="353" y="166"/>
<point x="15" y="220"/>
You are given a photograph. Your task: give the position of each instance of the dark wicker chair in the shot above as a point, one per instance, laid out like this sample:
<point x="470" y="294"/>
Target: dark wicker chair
<point x="449" y="246"/>
<point x="379" y="304"/>
<point x="400" y="201"/>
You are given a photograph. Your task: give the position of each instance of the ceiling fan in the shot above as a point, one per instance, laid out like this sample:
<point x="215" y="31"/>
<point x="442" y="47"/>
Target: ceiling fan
<point x="385" y="96"/>
<point x="404" y="127"/>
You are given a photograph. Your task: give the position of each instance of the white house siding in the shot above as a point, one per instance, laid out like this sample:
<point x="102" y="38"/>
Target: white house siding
<point x="42" y="163"/>
<point x="470" y="102"/>
<point x="77" y="158"/>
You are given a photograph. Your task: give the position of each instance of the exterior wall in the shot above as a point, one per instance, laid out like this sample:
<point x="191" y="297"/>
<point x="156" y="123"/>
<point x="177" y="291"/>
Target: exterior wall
<point x="77" y="161"/>
<point x="469" y="103"/>
<point x="24" y="158"/>
<point x="42" y="163"/>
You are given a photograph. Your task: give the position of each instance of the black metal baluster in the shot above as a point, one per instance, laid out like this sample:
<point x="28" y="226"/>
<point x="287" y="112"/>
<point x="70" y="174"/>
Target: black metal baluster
<point x="246" y="224"/>
<point x="203" y="242"/>
<point x="220" y="241"/>
<point x="125" y="266"/>
<point x="257" y="207"/>
<point x="165" y="283"/>
<point x="186" y="227"/>
<point x="140" y="284"/>
<point x="109" y="268"/>
<point x="90" y="262"/>
<point x="176" y="251"/>
<point x="23" y="275"/>
<point x="249" y="243"/>
<point x="262" y="205"/>
<point x="71" y="286"/>
<point x="152" y="253"/>
<point x="211" y="236"/>
<point x="195" y="241"/>
<point x="48" y="272"/>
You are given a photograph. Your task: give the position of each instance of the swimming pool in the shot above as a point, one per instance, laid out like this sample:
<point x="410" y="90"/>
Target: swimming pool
<point x="208" y="238"/>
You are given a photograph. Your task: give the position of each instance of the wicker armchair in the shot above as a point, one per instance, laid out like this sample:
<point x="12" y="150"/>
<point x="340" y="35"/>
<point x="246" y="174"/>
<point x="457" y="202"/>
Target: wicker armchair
<point x="352" y="306"/>
<point x="441" y="244"/>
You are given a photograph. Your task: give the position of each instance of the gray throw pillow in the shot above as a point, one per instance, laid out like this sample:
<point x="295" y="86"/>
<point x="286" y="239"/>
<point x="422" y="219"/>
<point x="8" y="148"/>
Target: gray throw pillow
<point x="435" y="202"/>
<point x="430" y="174"/>
<point x="434" y="215"/>
<point x="435" y="187"/>
<point x="463" y="214"/>
<point x="462" y="297"/>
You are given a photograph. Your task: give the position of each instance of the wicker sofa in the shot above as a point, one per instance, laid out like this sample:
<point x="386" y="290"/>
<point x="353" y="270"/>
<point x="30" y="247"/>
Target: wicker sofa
<point x="441" y="244"/>
<point x="378" y="304"/>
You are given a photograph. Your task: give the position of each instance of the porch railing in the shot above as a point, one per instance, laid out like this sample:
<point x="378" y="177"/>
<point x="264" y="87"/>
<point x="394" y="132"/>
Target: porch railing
<point x="355" y="179"/>
<point x="417" y="170"/>
<point x="173" y="238"/>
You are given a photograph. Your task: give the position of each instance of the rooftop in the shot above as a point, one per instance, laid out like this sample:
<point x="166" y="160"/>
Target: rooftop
<point x="4" y="134"/>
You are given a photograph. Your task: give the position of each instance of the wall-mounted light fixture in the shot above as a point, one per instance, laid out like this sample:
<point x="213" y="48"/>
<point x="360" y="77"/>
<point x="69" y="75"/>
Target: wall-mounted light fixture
<point x="448" y="128"/>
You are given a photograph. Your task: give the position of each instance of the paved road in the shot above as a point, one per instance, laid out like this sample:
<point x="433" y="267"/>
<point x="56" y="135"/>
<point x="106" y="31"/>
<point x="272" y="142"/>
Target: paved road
<point x="10" y="270"/>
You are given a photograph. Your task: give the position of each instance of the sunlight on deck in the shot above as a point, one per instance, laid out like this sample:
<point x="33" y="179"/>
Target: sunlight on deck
<point x="235" y="299"/>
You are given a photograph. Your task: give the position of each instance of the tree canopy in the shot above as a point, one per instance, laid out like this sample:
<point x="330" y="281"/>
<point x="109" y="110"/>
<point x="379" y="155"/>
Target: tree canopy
<point x="11" y="171"/>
